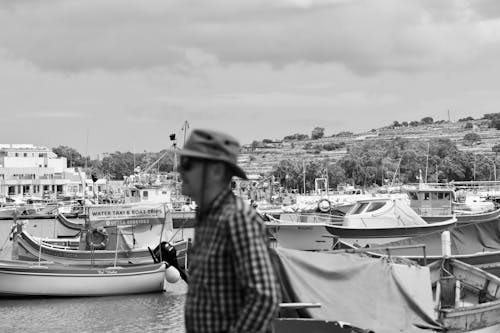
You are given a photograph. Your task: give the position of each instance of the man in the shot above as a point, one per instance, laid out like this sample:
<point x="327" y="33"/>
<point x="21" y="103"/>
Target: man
<point x="232" y="286"/>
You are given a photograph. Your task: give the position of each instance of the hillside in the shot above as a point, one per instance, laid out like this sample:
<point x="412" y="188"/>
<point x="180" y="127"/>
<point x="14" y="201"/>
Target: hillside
<point x="262" y="157"/>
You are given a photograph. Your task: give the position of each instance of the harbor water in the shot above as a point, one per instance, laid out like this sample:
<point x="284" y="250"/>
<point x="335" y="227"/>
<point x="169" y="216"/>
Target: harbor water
<point x="156" y="312"/>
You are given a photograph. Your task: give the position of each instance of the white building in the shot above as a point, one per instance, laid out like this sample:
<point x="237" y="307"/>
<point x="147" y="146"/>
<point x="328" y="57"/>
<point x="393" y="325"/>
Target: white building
<point x="31" y="170"/>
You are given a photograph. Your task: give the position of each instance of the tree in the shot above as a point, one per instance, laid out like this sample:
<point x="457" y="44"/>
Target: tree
<point x="471" y="138"/>
<point x="427" y="120"/>
<point x="465" y="119"/>
<point x="75" y="159"/>
<point x="317" y="133"/>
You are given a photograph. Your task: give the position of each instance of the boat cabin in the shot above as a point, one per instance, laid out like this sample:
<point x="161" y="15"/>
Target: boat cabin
<point x="432" y="201"/>
<point x="136" y="194"/>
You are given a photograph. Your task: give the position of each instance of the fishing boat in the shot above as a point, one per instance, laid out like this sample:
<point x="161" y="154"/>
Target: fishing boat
<point x="388" y="294"/>
<point x="435" y="204"/>
<point x="371" y="221"/>
<point x="45" y="279"/>
<point x="67" y="251"/>
<point x="122" y="234"/>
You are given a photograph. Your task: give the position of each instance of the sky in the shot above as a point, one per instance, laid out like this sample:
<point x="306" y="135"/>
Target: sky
<point x="121" y="75"/>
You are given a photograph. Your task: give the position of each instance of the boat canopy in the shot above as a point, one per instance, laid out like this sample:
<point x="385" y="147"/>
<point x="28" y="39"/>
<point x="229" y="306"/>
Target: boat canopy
<point x="466" y="239"/>
<point x="376" y="294"/>
<point x="382" y="213"/>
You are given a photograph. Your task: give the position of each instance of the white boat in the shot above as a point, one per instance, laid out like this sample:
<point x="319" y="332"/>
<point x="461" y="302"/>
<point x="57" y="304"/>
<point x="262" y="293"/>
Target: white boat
<point x="8" y="212"/>
<point x="436" y="204"/>
<point x="372" y="221"/>
<point x="44" y="279"/>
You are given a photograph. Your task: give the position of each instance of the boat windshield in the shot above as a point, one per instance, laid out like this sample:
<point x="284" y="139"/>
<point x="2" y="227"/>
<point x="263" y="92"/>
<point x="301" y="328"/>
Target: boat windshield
<point x="359" y="208"/>
<point x="375" y="206"/>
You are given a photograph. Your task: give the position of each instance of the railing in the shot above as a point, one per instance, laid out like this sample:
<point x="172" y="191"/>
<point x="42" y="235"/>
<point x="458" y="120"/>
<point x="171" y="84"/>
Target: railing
<point x="308" y="218"/>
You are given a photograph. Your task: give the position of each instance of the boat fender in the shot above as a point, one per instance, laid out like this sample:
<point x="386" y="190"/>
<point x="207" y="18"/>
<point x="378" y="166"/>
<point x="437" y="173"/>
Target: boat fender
<point x="172" y="275"/>
<point x="324" y="205"/>
<point x="98" y="239"/>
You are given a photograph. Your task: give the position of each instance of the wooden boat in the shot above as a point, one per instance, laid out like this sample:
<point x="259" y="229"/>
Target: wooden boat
<point x="389" y="295"/>
<point x="29" y="279"/>
<point x="65" y="252"/>
<point x="467" y="298"/>
<point x="122" y="234"/>
<point x="372" y="221"/>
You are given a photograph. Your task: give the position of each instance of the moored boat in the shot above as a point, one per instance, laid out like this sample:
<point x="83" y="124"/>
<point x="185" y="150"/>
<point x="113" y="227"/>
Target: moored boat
<point x="123" y="234"/>
<point x="436" y="204"/>
<point x="30" y="279"/>
<point x="372" y="221"/>
<point x="389" y="295"/>
<point x="476" y="244"/>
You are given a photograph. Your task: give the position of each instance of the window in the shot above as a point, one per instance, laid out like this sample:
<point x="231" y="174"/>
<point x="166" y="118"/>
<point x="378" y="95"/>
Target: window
<point x="25" y="154"/>
<point x="145" y="194"/>
<point x="413" y="196"/>
<point x="427" y="196"/>
<point x="359" y="208"/>
<point x="375" y="206"/>
<point x="17" y="154"/>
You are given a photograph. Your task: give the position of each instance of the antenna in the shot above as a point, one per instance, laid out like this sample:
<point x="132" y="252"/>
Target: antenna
<point x="87" y="150"/>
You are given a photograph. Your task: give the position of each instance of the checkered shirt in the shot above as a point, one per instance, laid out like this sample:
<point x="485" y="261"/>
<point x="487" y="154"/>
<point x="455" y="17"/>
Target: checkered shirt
<point x="232" y="285"/>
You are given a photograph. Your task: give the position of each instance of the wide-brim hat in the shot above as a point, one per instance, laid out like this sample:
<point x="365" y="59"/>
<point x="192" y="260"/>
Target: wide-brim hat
<point x="214" y="146"/>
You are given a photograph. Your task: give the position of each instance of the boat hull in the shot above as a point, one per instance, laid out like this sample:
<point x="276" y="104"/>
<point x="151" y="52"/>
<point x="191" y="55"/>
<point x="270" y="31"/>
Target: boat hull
<point x="466" y="218"/>
<point x="361" y="237"/>
<point x="48" y="280"/>
<point x="29" y="249"/>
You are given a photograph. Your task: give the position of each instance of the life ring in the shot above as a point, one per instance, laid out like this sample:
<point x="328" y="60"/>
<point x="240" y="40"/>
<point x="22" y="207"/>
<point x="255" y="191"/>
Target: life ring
<point x="97" y="239"/>
<point x="324" y="205"/>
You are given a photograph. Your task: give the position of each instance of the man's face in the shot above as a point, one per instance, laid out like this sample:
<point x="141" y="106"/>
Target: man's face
<point x="191" y="171"/>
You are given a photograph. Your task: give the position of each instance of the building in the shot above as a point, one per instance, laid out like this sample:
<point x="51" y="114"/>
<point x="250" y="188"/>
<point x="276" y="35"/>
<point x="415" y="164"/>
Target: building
<point x="28" y="170"/>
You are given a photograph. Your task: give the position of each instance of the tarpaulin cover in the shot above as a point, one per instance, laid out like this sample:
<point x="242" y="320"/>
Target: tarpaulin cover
<point x="382" y="213"/>
<point x="365" y="292"/>
<point x="465" y="239"/>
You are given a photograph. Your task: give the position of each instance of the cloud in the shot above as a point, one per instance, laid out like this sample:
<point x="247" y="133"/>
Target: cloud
<point x="364" y="36"/>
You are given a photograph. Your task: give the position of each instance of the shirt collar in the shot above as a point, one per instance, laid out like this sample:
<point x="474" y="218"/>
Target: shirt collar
<point x="216" y="203"/>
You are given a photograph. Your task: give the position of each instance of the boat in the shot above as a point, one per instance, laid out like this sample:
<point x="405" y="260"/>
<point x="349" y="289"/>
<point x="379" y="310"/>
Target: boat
<point x="8" y="211"/>
<point x="388" y="294"/>
<point x="123" y="234"/>
<point x="476" y="244"/>
<point x="46" y="279"/>
<point x="435" y="204"/>
<point x="67" y="251"/>
<point x="370" y="221"/>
